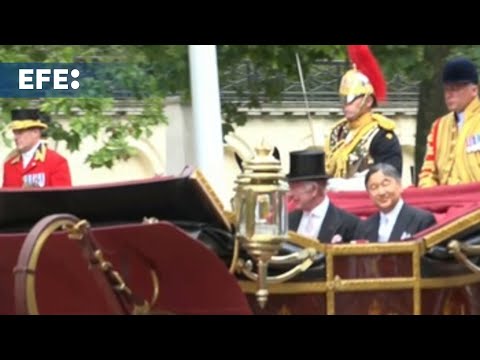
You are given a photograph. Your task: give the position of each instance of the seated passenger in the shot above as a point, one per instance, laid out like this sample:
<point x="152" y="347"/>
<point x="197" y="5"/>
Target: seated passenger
<point x="395" y="220"/>
<point x="316" y="216"/>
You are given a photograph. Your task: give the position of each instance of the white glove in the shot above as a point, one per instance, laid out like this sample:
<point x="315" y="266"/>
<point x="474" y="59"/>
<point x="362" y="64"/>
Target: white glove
<point x="356" y="183"/>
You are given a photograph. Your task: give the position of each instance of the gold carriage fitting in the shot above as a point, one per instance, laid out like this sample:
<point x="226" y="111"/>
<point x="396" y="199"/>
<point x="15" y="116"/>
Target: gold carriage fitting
<point x="261" y="212"/>
<point x="435" y="272"/>
<point x="157" y="246"/>
<point x="166" y="245"/>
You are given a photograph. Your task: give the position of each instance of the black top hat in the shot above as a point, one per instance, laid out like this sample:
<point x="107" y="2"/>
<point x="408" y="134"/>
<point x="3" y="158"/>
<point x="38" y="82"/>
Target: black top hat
<point x="460" y="70"/>
<point x="307" y="165"/>
<point x="29" y="118"/>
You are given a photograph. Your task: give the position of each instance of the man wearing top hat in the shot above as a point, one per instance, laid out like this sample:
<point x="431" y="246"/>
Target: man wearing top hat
<point x="32" y="164"/>
<point x="453" y="144"/>
<point x="316" y="216"/>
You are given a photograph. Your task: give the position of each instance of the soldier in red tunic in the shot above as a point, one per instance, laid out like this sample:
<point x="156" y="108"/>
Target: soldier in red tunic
<point x="32" y="164"/>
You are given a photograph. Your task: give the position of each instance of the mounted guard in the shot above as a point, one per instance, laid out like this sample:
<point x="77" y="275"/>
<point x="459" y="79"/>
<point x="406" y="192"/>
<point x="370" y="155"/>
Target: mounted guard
<point x="362" y="138"/>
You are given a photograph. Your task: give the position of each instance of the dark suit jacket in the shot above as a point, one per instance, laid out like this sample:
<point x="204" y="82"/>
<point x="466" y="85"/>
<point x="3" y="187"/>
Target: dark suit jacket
<point x="336" y="221"/>
<point x="410" y="220"/>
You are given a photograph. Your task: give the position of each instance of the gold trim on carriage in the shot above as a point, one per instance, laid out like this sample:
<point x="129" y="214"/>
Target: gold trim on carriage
<point x="167" y="246"/>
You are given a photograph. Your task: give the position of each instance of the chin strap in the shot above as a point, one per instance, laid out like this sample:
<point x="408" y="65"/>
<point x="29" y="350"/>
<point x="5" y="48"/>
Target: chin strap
<point x="362" y="107"/>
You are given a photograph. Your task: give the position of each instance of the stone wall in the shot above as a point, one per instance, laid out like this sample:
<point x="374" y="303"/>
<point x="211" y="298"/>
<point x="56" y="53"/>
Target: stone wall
<point x="168" y="150"/>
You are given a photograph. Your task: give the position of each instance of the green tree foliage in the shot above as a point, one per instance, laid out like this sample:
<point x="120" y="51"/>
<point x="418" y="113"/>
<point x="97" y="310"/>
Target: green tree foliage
<point x="422" y="63"/>
<point x="169" y="74"/>
<point x="276" y="67"/>
<point x="277" y="64"/>
<point x="88" y="116"/>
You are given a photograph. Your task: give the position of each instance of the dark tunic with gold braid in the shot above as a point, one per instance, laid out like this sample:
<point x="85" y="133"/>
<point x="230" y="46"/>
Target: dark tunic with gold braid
<point x="352" y="147"/>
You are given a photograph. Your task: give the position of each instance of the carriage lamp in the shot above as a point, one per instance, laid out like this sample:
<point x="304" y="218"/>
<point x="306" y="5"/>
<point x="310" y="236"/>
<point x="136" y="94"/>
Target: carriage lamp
<point x="261" y="217"/>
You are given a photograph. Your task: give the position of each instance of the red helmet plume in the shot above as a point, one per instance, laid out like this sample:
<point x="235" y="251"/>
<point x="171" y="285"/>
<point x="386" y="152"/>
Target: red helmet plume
<point x="365" y="62"/>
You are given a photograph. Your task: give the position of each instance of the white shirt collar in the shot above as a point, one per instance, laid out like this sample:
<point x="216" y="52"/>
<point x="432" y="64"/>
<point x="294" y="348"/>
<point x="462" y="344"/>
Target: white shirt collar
<point x="460" y="119"/>
<point x="393" y="214"/>
<point x="321" y="209"/>
<point x="312" y="221"/>
<point x="28" y="155"/>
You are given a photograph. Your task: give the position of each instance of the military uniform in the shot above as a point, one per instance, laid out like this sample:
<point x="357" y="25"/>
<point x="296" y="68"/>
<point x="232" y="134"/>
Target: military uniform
<point x="362" y="138"/>
<point x="453" y="144"/>
<point x="47" y="168"/>
<point x="453" y="155"/>
<point x="352" y="149"/>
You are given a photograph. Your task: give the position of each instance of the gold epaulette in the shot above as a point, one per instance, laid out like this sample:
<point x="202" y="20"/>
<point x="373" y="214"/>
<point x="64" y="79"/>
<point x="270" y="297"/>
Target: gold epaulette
<point x="383" y="122"/>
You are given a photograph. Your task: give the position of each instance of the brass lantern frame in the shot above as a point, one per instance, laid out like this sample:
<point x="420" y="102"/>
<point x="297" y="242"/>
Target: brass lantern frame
<point x="263" y="179"/>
